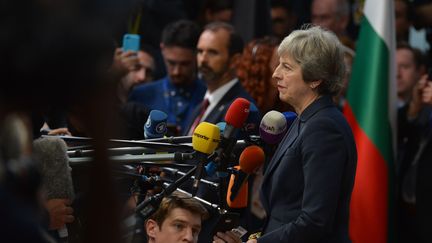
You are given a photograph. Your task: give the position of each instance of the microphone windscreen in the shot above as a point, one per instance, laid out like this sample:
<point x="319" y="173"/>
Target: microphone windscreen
<point x="241" y="200"/>
<point x="51" y="153"/>
<point x="251" y="124"/>
<point x="238" y="112"/>
<point x="251" y="159"/>
<point x="221" y="126"/>
<point x="205" y="138"/>
<point x="290" y="117"/>
<point x="156" y="124"/>
<point x="273" y="127"/>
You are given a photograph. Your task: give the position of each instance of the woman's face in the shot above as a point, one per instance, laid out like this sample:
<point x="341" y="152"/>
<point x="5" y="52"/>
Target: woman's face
<point x="291" y="86"/>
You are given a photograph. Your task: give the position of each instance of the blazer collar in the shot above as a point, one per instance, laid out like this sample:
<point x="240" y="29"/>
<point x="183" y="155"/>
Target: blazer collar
<point x="295" y="129"/>
<point x="317" y="105"/>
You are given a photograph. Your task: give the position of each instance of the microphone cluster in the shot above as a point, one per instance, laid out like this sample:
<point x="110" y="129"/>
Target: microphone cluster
<point x="210" y="150"/>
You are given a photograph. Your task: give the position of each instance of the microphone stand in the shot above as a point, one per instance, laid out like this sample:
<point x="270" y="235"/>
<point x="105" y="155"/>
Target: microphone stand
<point x="151" y="204"/>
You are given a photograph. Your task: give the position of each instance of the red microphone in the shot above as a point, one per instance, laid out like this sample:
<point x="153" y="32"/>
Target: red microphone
<point x="250" y="160"/>
<point x="237" y="113"/>
<point x="235" y="117"/>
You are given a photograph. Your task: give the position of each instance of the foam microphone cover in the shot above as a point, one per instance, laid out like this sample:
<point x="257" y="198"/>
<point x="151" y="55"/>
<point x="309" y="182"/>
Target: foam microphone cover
<point x="51" y="152"/>
<point x="238" y="112"/>
<point x="251" y="124"/>
<point x="251" y="159"/>
<point x="273" y="127"/>
<point x="241" y="199"/>
<point x="221" y="126"/>
<point x="205" y="138"/>
<point x="290" y="117"/>
<point x="156" y="124"/>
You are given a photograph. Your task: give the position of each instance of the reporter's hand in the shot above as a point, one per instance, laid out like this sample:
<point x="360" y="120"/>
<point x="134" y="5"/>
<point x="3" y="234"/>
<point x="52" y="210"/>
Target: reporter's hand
<point x="60" y="131"/>
<point x="130" y="61"/>
<point x="227" y="237"/>
<point x="416" y="103"/>
<point x="427" y="93"/>
<point x="252" y="241"/>
<point x="124" y="62"/>
<point x="60" y="212"/>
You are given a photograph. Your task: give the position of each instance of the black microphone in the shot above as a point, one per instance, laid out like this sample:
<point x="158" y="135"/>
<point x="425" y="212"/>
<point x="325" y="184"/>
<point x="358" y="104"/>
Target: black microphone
<point x="151" y="204"/>
<point x="55" y="171"/>
<point x="235" y="117"/>
<point x="205" y="139"/>
<point x="177" y="172"/>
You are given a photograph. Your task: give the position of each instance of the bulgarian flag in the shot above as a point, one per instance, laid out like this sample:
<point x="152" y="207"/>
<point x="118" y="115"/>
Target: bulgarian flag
<point x="371" y="111"/>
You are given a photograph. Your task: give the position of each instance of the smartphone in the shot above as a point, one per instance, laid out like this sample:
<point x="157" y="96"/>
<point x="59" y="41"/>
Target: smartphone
<point x="131" y="42"/>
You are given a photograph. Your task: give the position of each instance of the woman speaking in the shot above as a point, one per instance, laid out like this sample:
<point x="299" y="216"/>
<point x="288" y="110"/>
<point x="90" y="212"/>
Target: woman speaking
<point x="307" y="185"/>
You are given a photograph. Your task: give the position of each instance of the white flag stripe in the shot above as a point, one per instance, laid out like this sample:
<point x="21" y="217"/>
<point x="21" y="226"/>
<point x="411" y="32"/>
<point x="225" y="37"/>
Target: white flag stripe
<point x="380" y="14"/>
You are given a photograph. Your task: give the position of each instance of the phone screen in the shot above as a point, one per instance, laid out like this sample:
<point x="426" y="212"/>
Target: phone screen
<point x="131" y="42"/>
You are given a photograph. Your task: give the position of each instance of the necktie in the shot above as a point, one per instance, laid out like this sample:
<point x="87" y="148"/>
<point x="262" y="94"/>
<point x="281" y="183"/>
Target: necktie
<point x="203" y="107"/>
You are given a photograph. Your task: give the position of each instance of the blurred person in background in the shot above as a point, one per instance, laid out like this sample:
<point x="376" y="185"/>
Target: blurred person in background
<point x="140" y="69"/>
<point x="414" y="122"/>
<point x="216" y="10"/>
<point x="181" y="90"/>
<point x="259" y="60"/>
<point x="333" y="15"/>
<point x="283" y="18"/>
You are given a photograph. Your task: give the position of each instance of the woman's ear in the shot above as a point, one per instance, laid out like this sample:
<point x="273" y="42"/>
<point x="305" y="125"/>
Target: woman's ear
<point x="315" y="84"/>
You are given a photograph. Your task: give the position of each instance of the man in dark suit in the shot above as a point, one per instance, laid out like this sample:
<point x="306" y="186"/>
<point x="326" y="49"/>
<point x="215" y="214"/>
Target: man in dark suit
<point x="219" y="50"/>
<point x="307" y="185"/>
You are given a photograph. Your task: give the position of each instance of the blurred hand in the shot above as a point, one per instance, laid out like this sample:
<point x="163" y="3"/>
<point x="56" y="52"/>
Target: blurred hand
<point x="227" y="237"/>
<point x="124" y="62"/>
<point x="416" y="103"/>
<point x="427" y="93"/>
<point x="252" y="241"/>
<point x="60" y="212"/>
<point x="60" y="131"/>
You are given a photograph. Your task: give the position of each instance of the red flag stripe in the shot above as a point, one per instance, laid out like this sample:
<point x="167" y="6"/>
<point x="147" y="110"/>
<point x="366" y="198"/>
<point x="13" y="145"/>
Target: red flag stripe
<point x="370" y="193"/>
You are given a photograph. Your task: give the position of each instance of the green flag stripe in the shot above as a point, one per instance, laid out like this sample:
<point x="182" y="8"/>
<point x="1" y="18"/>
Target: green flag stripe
<point x="368" y="89"/>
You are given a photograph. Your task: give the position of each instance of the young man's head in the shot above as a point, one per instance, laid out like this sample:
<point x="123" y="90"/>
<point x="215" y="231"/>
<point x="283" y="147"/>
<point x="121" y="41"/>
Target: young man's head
<point x="410" y="66"/>
<point x="178" y="45"/>
<point x="219" y="48"/>
<point x="178" y="219"/>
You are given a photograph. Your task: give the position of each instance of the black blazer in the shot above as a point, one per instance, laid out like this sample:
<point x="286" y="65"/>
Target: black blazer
<point x="219" y="111"/>
<point x="307" y="185"/>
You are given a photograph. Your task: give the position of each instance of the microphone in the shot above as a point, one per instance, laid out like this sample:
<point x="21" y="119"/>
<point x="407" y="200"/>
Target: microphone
<point x="156" y="125"/>
<point x="251" y="159"/>
<point x="221" y="126"/>
<point x="205" y="139"/>
<point x="235" y="117"/>
<point x="290" y="117"/>
<point x="55" y="171"/>
<point x="251" y="127"/>
<point x="273" y="127"/>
